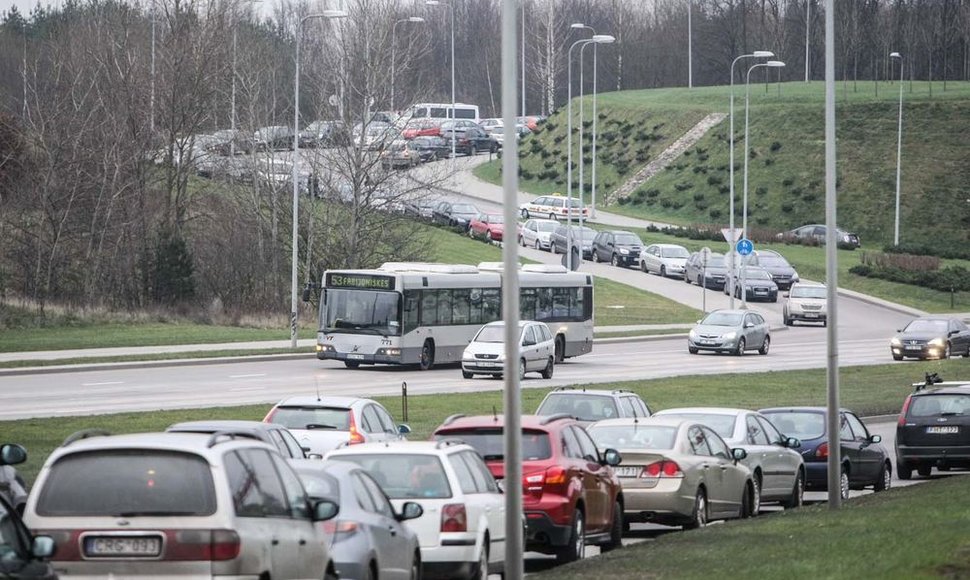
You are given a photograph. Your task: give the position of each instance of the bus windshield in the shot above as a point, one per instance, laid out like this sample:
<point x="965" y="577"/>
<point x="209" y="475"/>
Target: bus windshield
<point x="361" y="312"/>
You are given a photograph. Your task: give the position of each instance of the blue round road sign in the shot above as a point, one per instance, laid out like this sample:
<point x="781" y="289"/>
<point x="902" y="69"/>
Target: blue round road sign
<point x="744" y="247"/>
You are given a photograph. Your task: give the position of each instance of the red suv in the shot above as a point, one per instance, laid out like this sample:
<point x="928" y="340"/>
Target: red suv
<point x="569" y="491"/>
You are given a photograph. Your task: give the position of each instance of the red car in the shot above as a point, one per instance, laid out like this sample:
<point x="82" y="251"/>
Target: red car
<point x="488" y="226"/>
<point x="569" y="491"/>
<point x="421" y="128"/>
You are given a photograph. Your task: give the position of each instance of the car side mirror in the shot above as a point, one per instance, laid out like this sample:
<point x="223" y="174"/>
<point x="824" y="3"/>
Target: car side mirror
<point x="787" y="294"/>
<point x="42" y="547"/>
<point x="738" y="454"/>
<point x="410" y="511"/>
<point x="953" y="333"/>
<point x="403" y="429"/>
<point x="12" y="454"/>
<point x="315" y="456"/>
<point x="324" y="510"/>
<point x="749" y="325"/>
<point x="875" y="438"/>
<point x="612" y="457"/>
<point x="793" y="443"/>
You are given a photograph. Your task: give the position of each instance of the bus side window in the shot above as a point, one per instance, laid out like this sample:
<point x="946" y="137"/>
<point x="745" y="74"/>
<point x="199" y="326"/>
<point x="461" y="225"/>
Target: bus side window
<point x="460" y="306"/>
<point x="429" y="308"/>
<point x="527" y="304"/>
<point x="412" y="300"/>
<point x="543" y="303"/>
<point x="491" y="304"/>
<point x="475" y="306"/>
<point x="444" y="307"/>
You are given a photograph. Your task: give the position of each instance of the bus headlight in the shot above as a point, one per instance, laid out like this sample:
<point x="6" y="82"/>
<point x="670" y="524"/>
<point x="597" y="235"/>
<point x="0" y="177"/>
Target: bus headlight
<point x="324" y="348"/>
<point x="394" y="351"/>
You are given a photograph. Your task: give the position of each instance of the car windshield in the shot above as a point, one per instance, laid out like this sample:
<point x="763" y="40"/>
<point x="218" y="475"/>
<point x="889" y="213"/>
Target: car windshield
<point x="804" y="425"/>
<point x="939" y="326"/>
<point x="464" y="208"/>
<point x="141" y="482"/>
<point x="633" y="436"/>
<point x="492" y="333"/>
<point x="587" y="234"/>
<point x="404" y="475"/>
<point x="584" y="406"/>
<point x="628" y="240"/>
<point x="757" y="274"/>
<point x="808" y="292"/>
<point x="773" y="261"/>
<point x="361" y="312"/>
<point x="493" y="218"/>
<point x="337" y="418"/>
<point x="490" y="443"/>
<point x="723" y="425"/>
<point x="674" y="253"/>
<point x="723" y="319"/>
<point x="546" y="226"/>
<point x="714" y="262"/>
<point x="940" y="405"/>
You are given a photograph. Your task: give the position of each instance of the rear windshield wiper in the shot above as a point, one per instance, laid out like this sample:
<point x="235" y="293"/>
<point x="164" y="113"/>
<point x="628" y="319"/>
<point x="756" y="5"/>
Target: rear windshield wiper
<point x="493" y="457"/>
<point x="950" y="414"/>
<point x="320" y="426"/>
<point x="133" y="514"/>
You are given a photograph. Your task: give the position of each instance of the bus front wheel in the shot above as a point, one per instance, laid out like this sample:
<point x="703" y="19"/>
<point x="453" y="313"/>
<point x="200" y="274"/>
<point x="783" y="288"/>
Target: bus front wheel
<point x="427" y="355"/>
<point x="350" y="364"/>
<point x="560" y="348"/>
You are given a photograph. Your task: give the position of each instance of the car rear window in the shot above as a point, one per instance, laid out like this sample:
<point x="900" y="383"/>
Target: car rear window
<point x="938" y="405"/>
<point x="723" y="425"/>
<point x="404" y="475"/>
<point x="802" y="425"/>
<point x="312" y="418"/>
<point x="583" y="407"/>
<point x="128" y="483"/>
<point x="633" y="436"/>
<point x="490" y="443"/>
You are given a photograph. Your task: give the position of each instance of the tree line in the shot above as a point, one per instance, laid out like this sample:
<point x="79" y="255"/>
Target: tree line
<point x="100" y="101"/>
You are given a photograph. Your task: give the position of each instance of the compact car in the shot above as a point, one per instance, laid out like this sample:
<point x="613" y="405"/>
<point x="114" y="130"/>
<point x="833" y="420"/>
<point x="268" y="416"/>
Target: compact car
<point x="485" y="354"/>
<point x="730" y="331"/>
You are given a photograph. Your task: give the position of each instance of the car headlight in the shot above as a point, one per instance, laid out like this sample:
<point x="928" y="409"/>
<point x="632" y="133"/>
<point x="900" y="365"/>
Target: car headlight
<point x="692" y="334"/>
<point x="938" y="342"/>
<point x="624" y="251"/>
<point x="895" y="341"/>
<point x="794" y="277"/>
<point x="729" y="336"/>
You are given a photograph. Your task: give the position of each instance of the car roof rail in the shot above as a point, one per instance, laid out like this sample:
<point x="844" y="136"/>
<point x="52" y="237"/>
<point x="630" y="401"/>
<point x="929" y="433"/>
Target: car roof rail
<point x="452" y="418"/>
<point x="448" y="441"/>
<point x="85" y="434"/>
<point x="214" y="439"/>
<point x="930" y="380"/>
<point x="555" y="417"/>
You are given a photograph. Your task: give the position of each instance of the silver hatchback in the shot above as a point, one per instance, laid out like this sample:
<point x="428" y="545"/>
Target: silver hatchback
<point x="732" y="331"/>
<point x="485" y="355"/>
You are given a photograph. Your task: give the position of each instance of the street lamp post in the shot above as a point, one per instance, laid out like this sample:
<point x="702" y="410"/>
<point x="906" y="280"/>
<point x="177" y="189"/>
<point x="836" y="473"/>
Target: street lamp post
<point x="451" y="7"/>
<point x="522" y="65"/>
<point x="899" y="146"/>
<point x="569" y="144"/>
<point x="731" y="252"/>
<point x="690" y="47"/>
<point x="416" y="19"/>
<point x="581" y="121"/>
<point x="744" y="211"/>
<point x="808" y="35"/>
<point x="296" y="166"/>
<point x="582" y="91"/>
<point x="151" y="106"/>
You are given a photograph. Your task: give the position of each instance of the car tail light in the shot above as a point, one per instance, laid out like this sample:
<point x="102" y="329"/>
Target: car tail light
<point x="355" y="435"/>
<point x="822" y="451"/>
<point x="902" y="414"/>
<point x="454" y="518"/>
<point x="340" y="529"/>
<point x="665" y="468"/>
<point x="269" y="416"/>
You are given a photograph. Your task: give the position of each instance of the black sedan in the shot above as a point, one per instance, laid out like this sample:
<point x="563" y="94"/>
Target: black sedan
<point x="757" y="284"/>
<point x="431" y="148"/>
<point x="457" y="215"/>
<point x="931" y="337"/>
<point x="934" y="429"/>
<point x="864" y="461"/>
<point x="777" y="266"/>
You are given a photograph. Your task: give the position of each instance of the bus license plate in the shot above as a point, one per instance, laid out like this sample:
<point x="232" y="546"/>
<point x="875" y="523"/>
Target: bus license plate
<point x="943" y="429"/>
<point x="355" y="356"/>
<point x="110" y="546"/>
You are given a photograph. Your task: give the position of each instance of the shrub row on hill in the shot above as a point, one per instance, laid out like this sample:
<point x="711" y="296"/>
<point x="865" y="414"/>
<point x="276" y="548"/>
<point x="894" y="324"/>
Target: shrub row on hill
<point x="954" y="253"/>
<point x="910" y="269"/>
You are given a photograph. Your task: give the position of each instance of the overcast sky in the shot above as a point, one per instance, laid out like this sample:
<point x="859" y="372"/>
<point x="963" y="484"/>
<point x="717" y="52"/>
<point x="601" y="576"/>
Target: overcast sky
<point x="25" y="6"/>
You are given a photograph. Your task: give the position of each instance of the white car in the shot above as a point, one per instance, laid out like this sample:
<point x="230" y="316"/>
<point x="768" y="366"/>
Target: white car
<point x="805" y="302"/>
<point x="485" y="355"/>
<point x="664" y="259"/>
<point x="537" y="234"/>
<point x="462" y="529"/>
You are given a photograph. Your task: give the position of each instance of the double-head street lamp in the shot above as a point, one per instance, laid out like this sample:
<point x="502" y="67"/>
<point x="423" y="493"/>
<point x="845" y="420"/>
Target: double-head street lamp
<point x="731" y="268"/>
<point x="296" y="165"/>
<point x="451" y="7"/>
<point x="899" y="146"/>
<point x="599" y="39"/>
<point x="747" y="156"/>
<point x="414" y="19"/>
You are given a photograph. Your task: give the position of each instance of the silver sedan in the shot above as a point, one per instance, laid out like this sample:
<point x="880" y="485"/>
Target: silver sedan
<point x="731" y="331"/>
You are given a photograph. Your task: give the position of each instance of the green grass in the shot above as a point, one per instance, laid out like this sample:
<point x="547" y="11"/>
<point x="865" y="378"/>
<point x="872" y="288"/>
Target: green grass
<point x="911" y="532"/>
<point x="786" y="174"/>
<point x="651" y="332"/>
<point x="868" y="390"/>
<point x="163" y="356"/>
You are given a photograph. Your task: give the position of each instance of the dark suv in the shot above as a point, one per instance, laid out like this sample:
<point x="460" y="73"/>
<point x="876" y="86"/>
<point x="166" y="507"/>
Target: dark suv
<point x="617" y="247"/>
<point x="934" y="428"/>
<point x="570" y="494"/>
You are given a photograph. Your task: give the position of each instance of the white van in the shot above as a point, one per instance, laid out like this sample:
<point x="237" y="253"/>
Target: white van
<point x="443" y="111"/>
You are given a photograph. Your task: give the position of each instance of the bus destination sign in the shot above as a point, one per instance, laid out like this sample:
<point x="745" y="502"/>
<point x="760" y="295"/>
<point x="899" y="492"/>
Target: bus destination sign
<point x="361" y="281"/>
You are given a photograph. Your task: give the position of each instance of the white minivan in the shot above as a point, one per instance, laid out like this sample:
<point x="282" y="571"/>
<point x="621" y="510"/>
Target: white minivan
<point x="485" y="354"/>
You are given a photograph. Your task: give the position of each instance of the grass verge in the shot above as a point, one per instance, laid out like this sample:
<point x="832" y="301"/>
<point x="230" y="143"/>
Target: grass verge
<point x="868" y="390"/>
<point x="163" y="356"/>
<point x="911" y="532"/>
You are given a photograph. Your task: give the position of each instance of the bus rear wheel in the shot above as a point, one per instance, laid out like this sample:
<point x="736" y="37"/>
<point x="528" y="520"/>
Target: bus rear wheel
<point x="351" y="364"/>
<point x="560" y="349"/>
<point x="427" y="355"/>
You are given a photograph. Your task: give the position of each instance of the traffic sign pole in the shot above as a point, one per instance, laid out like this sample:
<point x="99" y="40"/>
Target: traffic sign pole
<point x="744" y="248"/>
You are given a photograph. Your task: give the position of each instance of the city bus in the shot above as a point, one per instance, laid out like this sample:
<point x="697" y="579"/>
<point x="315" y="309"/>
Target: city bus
<point x="426" y="314"/>
<point x="443" y="111"/>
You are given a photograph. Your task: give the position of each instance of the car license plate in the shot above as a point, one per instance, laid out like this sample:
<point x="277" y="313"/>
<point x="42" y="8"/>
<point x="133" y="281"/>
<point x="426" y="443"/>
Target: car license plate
<point x="627" y="471"/>
<point x="811" y="315"/>
<point x="355" y="356"/>
<point x="120" y="546"/>
<point x="913" y="347"/>
<point x="487" y="364"/>
<point x="705" y="342"/>
<point x="943" y="429"/>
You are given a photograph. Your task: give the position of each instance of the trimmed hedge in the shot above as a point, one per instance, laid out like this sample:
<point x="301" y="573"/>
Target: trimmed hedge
<point x="959" y="253"/>
<point x="909" y="269"/>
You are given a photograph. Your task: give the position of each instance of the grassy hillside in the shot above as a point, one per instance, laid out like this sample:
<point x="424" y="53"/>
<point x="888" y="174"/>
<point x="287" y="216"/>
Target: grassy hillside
<point x="786" y="168"/>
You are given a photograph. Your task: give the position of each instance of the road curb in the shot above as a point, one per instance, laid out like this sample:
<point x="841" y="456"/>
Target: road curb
<point x="183" y="362"/>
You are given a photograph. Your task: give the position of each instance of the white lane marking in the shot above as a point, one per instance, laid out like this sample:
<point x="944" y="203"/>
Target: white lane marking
<point x="250" y="388"/>
<point x="104" y="383"/>
<point x="247" y="376"/>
